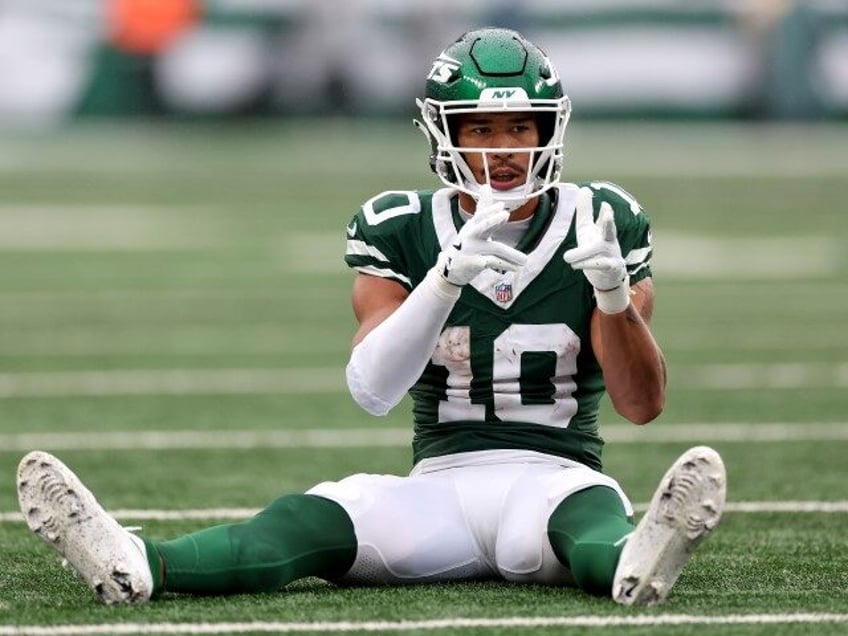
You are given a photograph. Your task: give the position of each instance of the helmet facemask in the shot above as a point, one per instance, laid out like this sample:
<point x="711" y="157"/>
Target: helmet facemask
<point x="497" y="71"/>
<point x="448" y="159"/>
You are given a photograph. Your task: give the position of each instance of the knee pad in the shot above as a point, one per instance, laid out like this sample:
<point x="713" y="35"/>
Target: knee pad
<point x="409" y="530"/>
<point x="523" y="552"/>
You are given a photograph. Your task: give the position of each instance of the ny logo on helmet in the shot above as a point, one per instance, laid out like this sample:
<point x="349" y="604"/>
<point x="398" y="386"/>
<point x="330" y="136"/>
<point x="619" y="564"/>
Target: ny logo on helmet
<point x="516" y="94"/>
<point x="443" y="69"/>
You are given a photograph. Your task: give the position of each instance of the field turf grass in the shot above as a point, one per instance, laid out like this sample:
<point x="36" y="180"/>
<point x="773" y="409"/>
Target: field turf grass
<point x="174" y="323"/>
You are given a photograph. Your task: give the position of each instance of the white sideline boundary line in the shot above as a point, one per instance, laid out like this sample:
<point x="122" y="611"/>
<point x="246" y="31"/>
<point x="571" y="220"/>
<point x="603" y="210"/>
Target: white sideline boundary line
<point x="323" y="380"/>
<point x="210" y="439"/>
<point x="171" y="382"/>
<point x="410" y="625"/>
<point x="695" y="432"/>
<point x="237" y="514"/>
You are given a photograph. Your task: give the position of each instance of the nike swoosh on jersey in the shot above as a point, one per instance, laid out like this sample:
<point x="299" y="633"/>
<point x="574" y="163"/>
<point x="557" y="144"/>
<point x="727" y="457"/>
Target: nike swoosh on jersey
<point x="351" y="229"/>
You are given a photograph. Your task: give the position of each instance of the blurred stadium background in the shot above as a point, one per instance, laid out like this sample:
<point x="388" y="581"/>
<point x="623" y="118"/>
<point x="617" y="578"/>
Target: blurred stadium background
<point x="175" y="176"/>
<point x="745" y="58"/>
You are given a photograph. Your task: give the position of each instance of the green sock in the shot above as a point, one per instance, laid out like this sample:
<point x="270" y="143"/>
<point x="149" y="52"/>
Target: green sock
<point x="294" y="537"/>
<point x="585" y="532"/>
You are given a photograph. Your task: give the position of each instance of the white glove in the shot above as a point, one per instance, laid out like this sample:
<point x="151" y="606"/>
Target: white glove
<point x="598" y="254"/>
<point x="474" y="250"/>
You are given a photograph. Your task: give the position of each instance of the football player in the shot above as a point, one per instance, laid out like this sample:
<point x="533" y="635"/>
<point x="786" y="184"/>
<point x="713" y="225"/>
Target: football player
<point x="506" y="303"/>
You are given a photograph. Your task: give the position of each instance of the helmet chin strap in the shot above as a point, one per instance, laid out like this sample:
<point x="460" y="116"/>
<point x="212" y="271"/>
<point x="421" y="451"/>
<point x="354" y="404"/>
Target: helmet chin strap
<point x="510" y="202"/>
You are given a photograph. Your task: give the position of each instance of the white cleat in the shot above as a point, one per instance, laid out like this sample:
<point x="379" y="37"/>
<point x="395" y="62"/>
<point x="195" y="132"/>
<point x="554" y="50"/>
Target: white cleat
<point x="685" y="508"/>
<point x="63" y="512"/>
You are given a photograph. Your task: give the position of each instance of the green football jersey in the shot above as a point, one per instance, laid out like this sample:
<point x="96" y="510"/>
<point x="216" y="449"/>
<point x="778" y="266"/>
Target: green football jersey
<point x="513" y="367"/>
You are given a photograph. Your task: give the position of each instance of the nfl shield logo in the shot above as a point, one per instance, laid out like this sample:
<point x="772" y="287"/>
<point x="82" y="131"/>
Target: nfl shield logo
<point x="503" y="292"/>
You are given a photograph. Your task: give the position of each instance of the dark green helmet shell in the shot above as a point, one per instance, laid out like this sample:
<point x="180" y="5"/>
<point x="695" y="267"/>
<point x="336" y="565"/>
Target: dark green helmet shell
<point x="491" y="58"/>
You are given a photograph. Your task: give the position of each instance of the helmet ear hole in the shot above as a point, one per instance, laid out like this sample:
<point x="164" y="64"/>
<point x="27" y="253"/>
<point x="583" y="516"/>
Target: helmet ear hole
<point x="556" y="168"/>
<point x="440" y="167"/>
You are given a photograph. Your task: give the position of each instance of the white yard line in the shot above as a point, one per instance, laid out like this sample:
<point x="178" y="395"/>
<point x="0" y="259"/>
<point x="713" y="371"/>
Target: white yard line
<point x="195" y="514"/>
<point x="145" y="340"/>
<point x="681" y="255"/>
<point x="773" y="376"/>
<point x="693" y="432"/>
<point x="210" y="439"/>
<point x="515" y="622"/>
<point x="135" y="339"/>
<point x="321" y="380"/>
<point x="236" y="514"/>
<point x="171" y="382"/>
<point x="363" y="438"/>
<point x="96" y="227"/>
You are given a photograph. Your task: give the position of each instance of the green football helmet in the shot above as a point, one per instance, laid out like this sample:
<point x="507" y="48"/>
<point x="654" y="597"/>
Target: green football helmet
<point x="494" y="70"/>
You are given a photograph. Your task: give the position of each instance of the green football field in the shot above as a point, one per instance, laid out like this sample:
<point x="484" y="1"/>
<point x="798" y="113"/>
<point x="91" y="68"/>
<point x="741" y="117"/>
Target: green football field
<point x="175" y="321"/>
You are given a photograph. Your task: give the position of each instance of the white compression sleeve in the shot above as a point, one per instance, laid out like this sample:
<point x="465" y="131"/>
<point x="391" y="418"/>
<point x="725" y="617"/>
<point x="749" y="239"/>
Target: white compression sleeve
<point x="388" y="361"/>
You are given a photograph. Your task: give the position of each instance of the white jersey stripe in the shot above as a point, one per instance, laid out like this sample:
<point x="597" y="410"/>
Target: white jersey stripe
<point x="361" y="248"/>
<point x="638" y="255"/>
<point x="383" y="273"/>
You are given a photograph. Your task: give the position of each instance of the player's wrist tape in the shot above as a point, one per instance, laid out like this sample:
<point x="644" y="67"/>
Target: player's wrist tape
<point x="392" y="357"/>
<point x="441" y="285"/>
<point x="614" y="301"/>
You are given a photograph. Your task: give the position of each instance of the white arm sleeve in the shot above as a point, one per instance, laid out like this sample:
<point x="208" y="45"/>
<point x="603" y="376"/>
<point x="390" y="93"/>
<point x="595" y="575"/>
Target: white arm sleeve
<point x="389" y="360"/>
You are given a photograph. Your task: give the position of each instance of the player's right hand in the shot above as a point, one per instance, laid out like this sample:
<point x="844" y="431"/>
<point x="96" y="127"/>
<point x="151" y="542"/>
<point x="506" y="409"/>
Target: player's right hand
<point x="474" y="250"/>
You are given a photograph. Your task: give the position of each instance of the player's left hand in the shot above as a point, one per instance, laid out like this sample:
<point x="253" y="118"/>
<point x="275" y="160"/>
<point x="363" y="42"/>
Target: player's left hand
<point x="598" y="253"/>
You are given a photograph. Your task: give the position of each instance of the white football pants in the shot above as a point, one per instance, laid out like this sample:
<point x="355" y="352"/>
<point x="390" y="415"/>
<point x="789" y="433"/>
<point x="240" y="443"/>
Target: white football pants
<point x="445" y="522"/>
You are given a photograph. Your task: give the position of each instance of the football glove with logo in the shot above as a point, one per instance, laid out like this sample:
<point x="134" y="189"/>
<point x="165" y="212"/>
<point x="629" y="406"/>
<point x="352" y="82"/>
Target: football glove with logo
<point x="598" y="255"/>
<point x="474" y="250"/>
